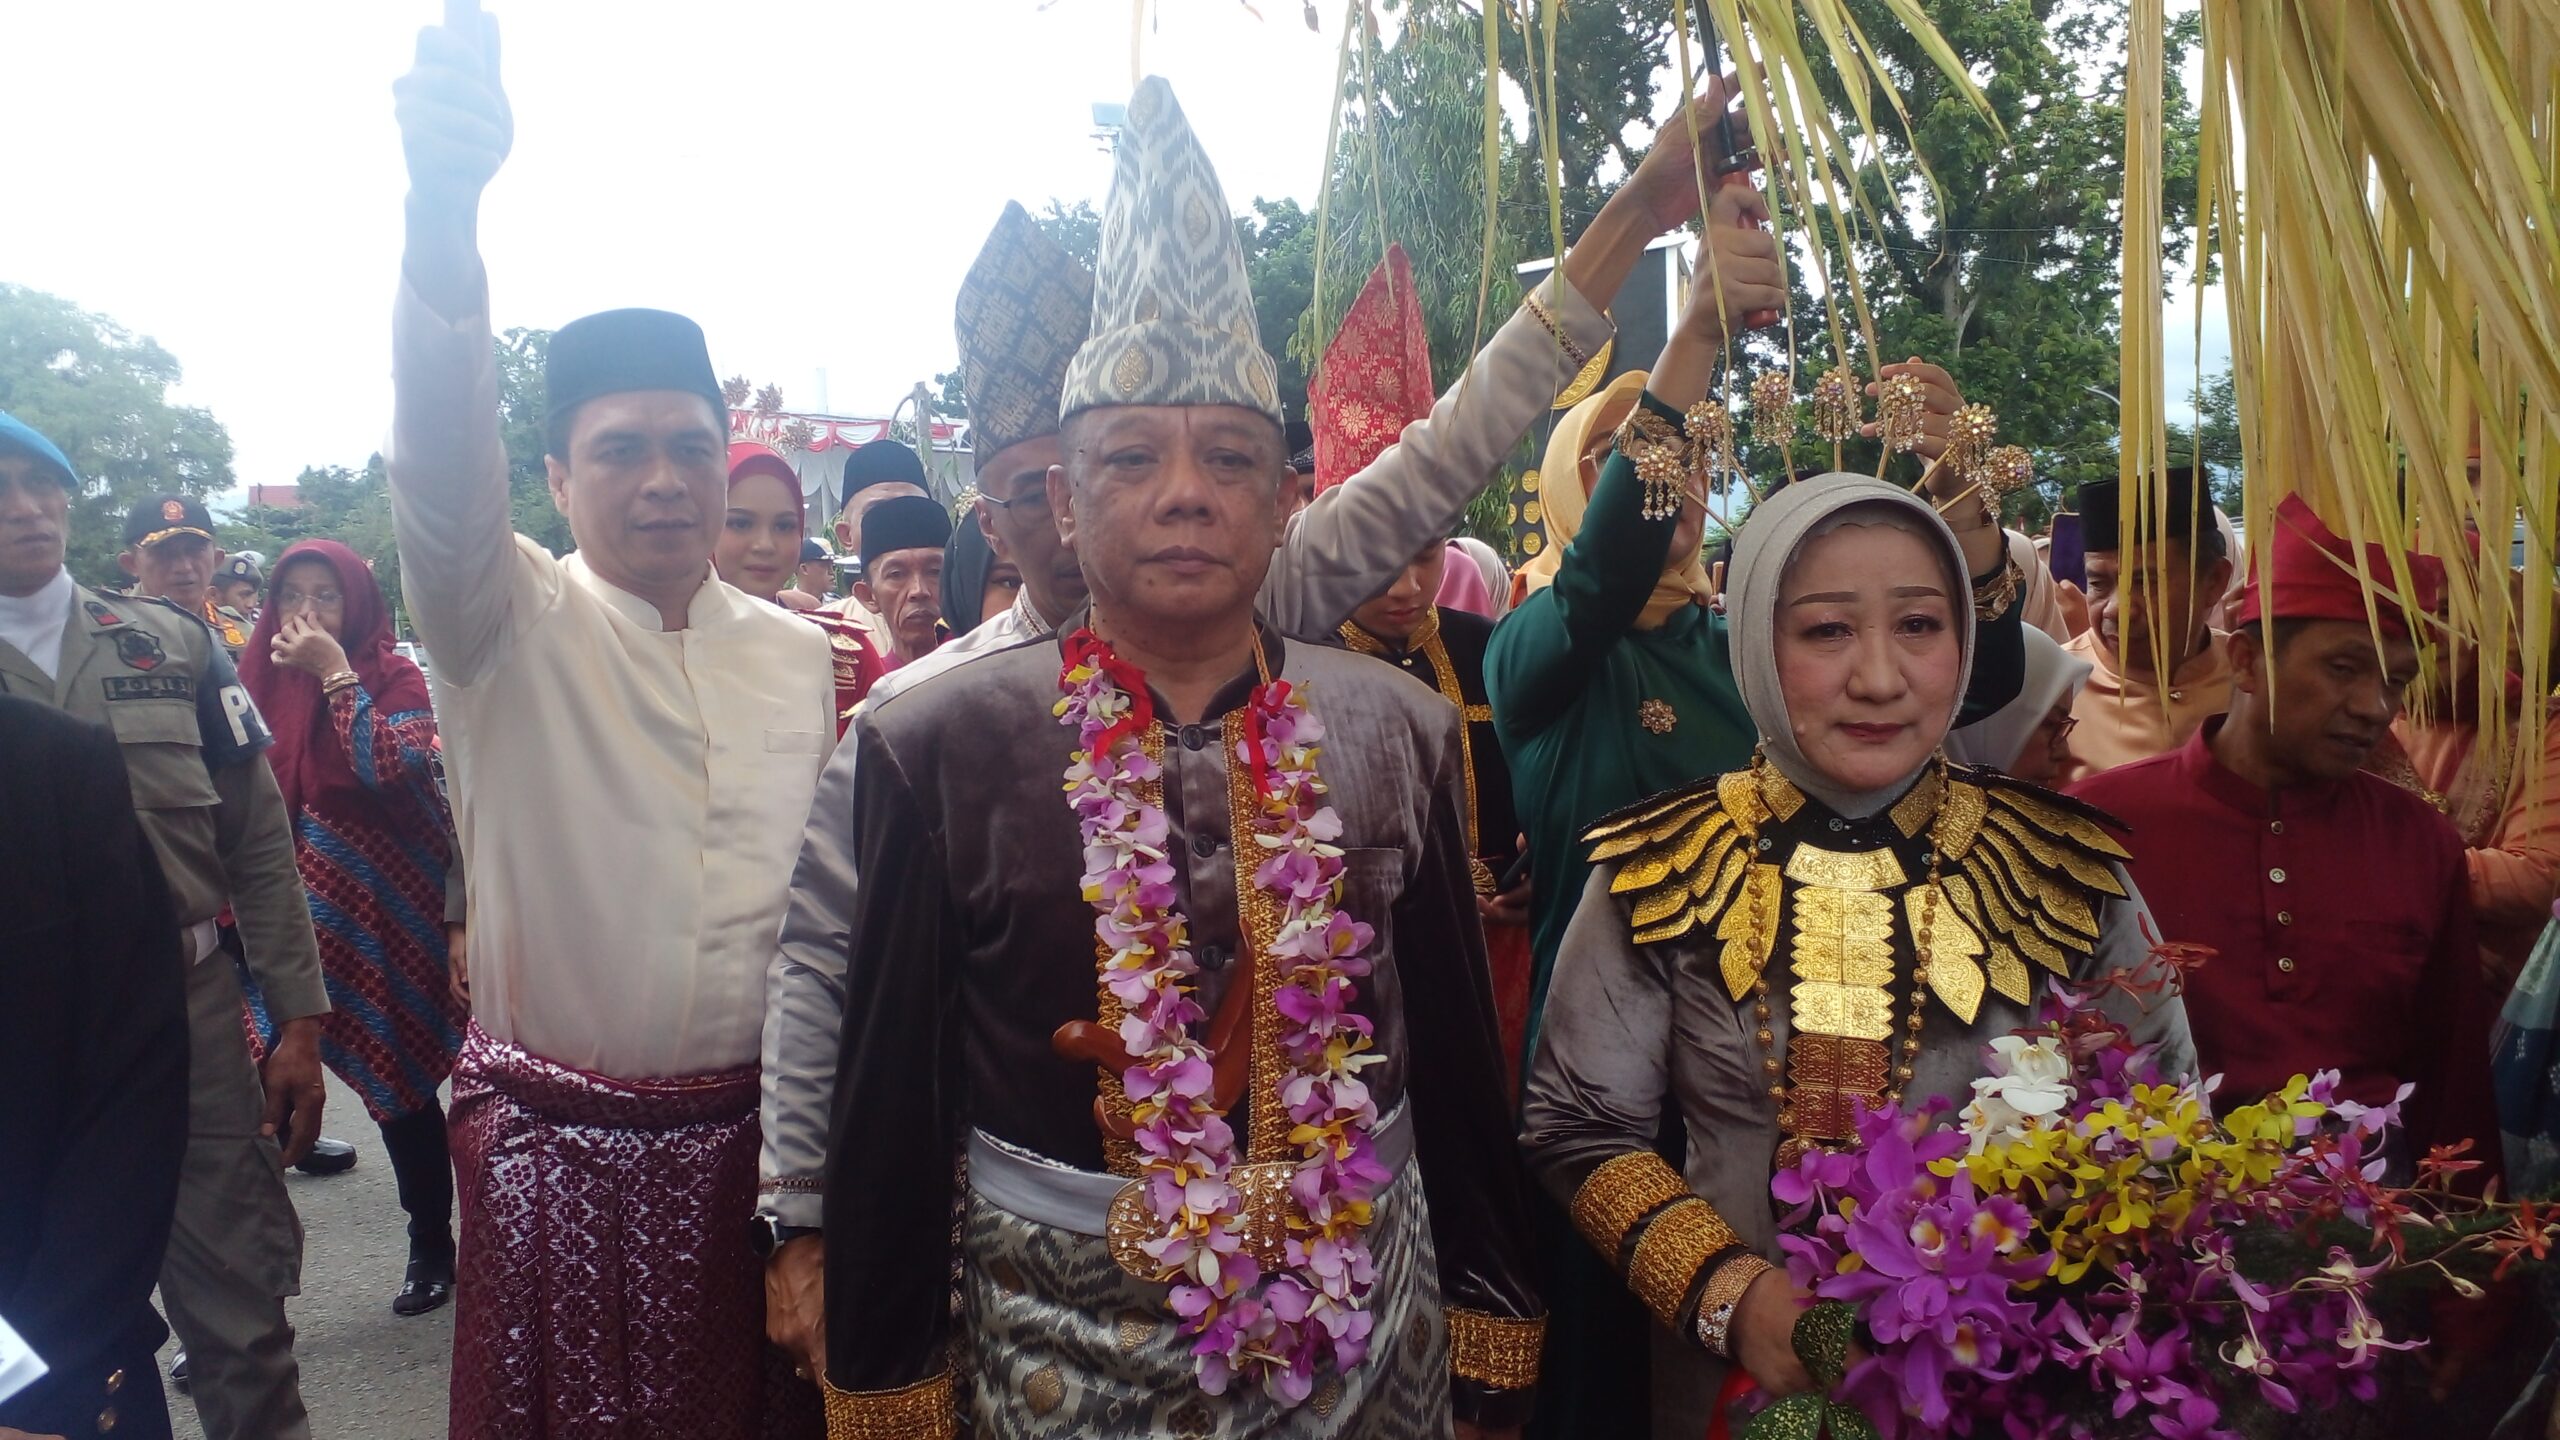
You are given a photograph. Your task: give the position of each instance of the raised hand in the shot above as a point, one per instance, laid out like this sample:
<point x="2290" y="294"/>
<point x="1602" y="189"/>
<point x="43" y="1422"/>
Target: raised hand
<point x="1665" y="182"/>
<point x="455" y="127"/>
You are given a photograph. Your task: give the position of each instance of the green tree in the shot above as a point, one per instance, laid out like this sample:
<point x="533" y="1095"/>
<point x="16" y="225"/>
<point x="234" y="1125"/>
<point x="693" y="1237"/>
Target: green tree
<point x="1077" y="228"/>
<point x="1279" y="242"/>
<point x="352" y="507"/>
<point x="521" y="354"/>
<point x="2215" y="442"/>
<point x="101" y="393"/>
<point x="2007" y="274"/>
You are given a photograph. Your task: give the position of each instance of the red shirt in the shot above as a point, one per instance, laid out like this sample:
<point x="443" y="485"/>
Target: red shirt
<point x="2340" y="915"/>
<point x="857" y="665"/>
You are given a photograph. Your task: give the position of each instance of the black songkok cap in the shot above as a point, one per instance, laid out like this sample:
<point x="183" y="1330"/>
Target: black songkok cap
<point x="1299" y="439"/>
<point x="2101" y="520"/>
<point x="879" y="463"/>
<point x="619" y="351"/>
<point x="903" y="522"/>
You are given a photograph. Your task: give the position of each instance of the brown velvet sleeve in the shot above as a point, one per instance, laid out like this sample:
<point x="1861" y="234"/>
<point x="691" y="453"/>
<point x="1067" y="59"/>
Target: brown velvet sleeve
<point x="896" y="1111"/>
<point x="1471" y="1169"/>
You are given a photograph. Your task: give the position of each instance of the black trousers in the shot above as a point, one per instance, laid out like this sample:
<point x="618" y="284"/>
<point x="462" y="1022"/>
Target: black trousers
<point x="422" y="1167"/>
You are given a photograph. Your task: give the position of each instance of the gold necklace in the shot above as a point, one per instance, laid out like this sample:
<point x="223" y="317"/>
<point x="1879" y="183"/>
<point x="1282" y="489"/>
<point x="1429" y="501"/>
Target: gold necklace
<point x="1830" y="1071"/>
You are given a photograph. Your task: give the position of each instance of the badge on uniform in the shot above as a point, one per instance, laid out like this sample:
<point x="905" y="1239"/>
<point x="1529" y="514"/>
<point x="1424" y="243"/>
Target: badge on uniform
<point x="101" y="613"/>
<point x="140" y="650"/>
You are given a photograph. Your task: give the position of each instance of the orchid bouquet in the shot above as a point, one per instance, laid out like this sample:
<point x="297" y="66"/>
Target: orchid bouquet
<point x="2086" y="1250"/>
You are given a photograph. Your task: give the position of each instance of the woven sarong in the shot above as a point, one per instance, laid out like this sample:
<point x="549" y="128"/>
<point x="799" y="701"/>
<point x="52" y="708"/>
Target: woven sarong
<point x="606" y="1288"/>
<point x="1065" y="1343"/>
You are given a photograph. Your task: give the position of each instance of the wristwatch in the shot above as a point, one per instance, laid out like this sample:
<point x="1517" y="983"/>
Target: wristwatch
<point x="766" y="1235"/>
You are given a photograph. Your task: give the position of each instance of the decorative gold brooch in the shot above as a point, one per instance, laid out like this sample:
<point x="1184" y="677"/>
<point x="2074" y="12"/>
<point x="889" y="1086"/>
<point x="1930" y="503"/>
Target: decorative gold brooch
<point x="1657" y="716"/>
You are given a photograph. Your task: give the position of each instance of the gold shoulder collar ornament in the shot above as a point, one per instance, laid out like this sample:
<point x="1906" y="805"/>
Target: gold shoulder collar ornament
<point x="2014" y="878"/>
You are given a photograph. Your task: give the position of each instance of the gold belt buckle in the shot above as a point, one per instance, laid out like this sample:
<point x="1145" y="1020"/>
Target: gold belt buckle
<point x="1271" y="1215"/>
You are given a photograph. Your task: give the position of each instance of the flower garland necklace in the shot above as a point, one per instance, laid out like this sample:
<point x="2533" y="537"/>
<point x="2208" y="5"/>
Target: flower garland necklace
<point x="1312" y="1313"/>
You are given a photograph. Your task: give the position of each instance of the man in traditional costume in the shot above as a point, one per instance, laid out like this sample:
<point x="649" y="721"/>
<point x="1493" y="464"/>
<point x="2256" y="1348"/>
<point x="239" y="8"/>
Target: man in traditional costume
<point x="876" y="471"/>
<point x="2139" y="585"/>
<point x="1224" y="1231"/>
<point x="604" y="1111"/>
<point x="902" y="542"/>
<point x="1760" y="953"/>
<point x="2337" y="905"/>
<point x="1374" y="380"/>
<point x="1023" y="312"/>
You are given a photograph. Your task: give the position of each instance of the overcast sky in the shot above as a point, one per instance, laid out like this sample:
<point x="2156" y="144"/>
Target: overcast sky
<point x="808" y="178"/>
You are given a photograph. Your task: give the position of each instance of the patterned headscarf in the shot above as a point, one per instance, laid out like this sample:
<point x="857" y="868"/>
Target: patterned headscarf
<point x="312" y="768"/>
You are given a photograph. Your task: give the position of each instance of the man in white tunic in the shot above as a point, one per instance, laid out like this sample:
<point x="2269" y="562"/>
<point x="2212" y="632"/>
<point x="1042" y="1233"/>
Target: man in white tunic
<point x="632" y="746"/>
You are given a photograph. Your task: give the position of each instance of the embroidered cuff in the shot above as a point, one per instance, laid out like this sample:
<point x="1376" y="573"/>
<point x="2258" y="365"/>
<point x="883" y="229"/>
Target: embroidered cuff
<point x="1619" y="1195"/>
<point x="922" y="1411"/>
<point x="1672" y="1253"/>
<point x="1495" y="1351"/>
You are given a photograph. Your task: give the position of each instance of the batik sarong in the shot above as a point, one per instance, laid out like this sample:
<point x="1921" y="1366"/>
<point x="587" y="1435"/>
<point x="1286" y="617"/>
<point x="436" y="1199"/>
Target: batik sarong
<point x="606" y="1287"/>
<point x="1066" y="1343"/>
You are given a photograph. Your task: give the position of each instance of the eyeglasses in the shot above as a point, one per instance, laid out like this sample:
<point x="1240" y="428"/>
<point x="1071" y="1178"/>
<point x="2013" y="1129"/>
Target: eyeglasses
<point x="1038" y="499"/>
<point x="2062" y="728"/>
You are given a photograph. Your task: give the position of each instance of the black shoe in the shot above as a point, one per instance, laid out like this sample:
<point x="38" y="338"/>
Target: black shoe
<point x="328" y="1157"/>
<point x="428" y="1285"/>
<point x="178" y="1371"/>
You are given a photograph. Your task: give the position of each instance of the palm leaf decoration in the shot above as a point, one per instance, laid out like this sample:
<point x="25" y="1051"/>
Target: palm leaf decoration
<point x="2377" y="185"/>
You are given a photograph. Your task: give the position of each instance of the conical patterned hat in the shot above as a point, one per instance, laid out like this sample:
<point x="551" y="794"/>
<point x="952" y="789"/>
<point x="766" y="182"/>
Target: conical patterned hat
<point x="1023" y="310"/>
<point x="1172" y="313"/>
<point x="1376" y="375"/>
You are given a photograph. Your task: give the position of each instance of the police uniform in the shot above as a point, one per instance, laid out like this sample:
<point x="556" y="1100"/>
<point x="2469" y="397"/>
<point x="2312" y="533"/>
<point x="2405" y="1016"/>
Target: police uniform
<point x="167" y="517"/>
<point x="158" y="679"/>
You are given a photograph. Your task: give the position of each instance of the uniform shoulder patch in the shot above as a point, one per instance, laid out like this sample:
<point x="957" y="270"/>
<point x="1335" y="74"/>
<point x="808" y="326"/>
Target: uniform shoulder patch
<point x="140" y="650"/>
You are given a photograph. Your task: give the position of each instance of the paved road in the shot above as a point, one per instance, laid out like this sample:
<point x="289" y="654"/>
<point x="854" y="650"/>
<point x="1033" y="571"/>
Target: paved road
<point x="367" y="1374"/>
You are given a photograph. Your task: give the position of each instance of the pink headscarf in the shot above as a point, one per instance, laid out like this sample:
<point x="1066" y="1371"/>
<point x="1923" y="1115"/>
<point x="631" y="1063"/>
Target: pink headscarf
<point x="1462" y="585"/>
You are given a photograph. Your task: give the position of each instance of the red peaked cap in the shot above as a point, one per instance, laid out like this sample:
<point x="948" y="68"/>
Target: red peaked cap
<point x="2317" y="576"/>
<point x="1375" y="377"/>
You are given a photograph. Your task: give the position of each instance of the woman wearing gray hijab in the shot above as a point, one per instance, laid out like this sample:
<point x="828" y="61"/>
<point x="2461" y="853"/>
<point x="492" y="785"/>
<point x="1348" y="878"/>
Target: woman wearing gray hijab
<point x="2025" y="737"/>
<point x="1850" y="920"/>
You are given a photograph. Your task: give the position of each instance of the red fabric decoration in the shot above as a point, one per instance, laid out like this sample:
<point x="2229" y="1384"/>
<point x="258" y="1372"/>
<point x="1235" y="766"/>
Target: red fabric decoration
<point x="311" y="767"/>
<point x="746" y="458"/>
<point x="1375" y="377"/>
<point x="2317" y="575"/>
<point x="1086" y="647"/>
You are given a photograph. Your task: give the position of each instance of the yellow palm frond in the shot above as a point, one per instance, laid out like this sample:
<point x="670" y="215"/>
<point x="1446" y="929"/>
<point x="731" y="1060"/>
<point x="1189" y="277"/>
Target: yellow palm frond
<point x="2377" y="179"/>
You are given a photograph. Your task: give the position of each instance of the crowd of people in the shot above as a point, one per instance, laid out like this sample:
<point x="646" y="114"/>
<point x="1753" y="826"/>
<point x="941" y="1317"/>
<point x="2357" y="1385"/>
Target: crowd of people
<point x="1072" y="983"/>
